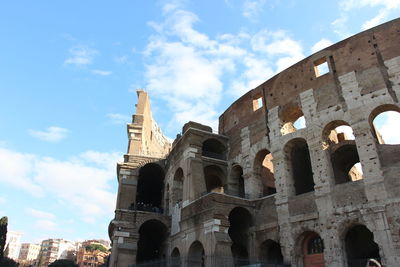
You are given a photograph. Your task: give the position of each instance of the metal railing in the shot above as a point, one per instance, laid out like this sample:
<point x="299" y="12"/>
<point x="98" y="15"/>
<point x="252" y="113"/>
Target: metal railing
<point x="207" y="261"/>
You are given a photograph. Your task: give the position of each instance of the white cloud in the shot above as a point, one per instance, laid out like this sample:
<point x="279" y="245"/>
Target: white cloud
<point x="102" y="72"/>
<point x="51" y="134"/>
<point x="117" y="118"/>
<point x="340" y="26"/>
<point x="46" y="225"/>
<point x="252" y="8"/>
<point x="193" y="72"/>
<point x="40" y="214"/>
<point x="321" y="44"/>
<point x="382" y="8"/>
<point x="387" y="124"/>
<point x="81" y="182"/>
<point x="80" y="55"/>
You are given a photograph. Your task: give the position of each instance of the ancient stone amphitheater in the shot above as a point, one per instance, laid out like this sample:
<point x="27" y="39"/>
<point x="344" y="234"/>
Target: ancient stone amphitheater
<point x="297" y="175"/>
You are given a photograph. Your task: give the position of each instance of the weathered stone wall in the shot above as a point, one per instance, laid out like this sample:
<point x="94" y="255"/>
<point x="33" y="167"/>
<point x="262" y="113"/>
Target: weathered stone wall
<point x="363" y="80"/>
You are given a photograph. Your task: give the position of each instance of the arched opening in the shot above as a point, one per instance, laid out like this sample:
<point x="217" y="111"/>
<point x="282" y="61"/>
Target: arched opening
<point x="240" y="221"/>
<point x="298" y="158"/>
<point x="175" y="258"/>
<point x="213" y="176"/>
<point x="339" y="143"/>
<point x="313" y="250"/>
<point x="150" y="246"/>
<point x="264" y="170"/>
<point x="292" y="119"/>
<point x="384" y="121"/>
<point x="150" y="187"/>
<point x="270" y="252"/>
<point x="177" y="191"/>
<point x="196" y="255"/>
<point x="213" y="148"/>
<point x="360" y="246"/>
<point x="237" y="181"/>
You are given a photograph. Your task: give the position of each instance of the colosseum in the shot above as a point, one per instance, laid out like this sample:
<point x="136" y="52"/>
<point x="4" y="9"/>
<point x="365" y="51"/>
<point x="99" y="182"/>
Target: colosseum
<point x="264" y="191"/>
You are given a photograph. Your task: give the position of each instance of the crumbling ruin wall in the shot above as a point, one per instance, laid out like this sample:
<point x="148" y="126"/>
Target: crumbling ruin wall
<point x="267" y="189"/>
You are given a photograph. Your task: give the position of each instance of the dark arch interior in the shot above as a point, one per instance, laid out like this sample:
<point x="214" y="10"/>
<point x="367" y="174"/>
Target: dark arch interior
<point x="240" y="221"/>
<point x="175" y="258"/>
<point x="150" y="186"/>
<point x="214" y="149"/>
<point x="196" y="255"/>
<point x="238" y="181"/>
<point x="360" y="246"/>
<point x="343" y="159"/>
<point x="301" y="167"/>
<point x="177" y="194"/>
<point x="152" y="235"/>
<point x="270" y="252"/>
<point x="264" y="168"/>
<point x="213" y="177"/>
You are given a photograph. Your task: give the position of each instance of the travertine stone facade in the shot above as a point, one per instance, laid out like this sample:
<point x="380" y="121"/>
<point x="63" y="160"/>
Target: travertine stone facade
<point x="264" y="189"/>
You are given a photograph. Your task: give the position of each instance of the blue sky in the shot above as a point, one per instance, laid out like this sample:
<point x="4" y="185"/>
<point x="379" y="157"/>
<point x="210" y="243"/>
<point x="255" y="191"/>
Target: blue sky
<point x="70" y="70"/>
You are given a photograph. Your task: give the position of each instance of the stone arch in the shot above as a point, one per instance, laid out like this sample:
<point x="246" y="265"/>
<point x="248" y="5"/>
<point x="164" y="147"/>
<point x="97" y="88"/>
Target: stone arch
<point x="175" y="258"/>
<point x="214" y="178"/>
<point x="297" y="157"/>
<point x="289" y="117"/>
<point x="240" y="220"/>
<point x="360" y="246"/>
<point x="270" y="252"/>
<point x="213" y="148"/>
<point x="177" y="188"/>
<point x="237" y="181"/>
<point x="151" y="244"/>
<point x="378" y="112"/>
<point x="264" y="170"/>
<point x="150" y="187"/>
<point x="338" y="141"/>
<point x="310" y="250"/>
<point x="196" y="257"/>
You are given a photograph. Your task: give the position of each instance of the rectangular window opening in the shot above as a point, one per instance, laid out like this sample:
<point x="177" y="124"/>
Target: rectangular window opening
<point x="257" y="103"/>
<point x="321" y="67"/>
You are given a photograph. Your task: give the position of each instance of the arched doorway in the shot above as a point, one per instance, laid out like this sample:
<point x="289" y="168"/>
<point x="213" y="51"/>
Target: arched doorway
<point x="297" y="156"/>
<point x="360" y="246"/>
<point x="237" y="181"/>
<point x="150" y="187"/>
<point x="270" y="252"/>
<point x="313" y="251"/>
<point x="175" y="258"/>
<point x="240" y="221"/>
<point x="177" y="191"/>
<point x="196" y="255"/>
<point x="213" y="176"/>
<point x="150" y="246"/>
<point x="264" y="170"/>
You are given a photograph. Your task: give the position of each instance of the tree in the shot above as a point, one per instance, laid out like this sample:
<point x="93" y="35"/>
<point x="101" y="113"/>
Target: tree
<point x="7" y="262"/>
<point x="3" y="235"/>
<point x="63" y="263"/>
<point x="93" y="247"/>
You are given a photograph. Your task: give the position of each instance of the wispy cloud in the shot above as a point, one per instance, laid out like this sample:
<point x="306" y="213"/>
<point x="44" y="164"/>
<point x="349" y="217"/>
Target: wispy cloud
<point x="199" y="69"/>
<point x="51" y="134"/>
<point x="252" y="8"/>
<point x="382" y="8"/>
<point x="117" y="118"/>
<point x="102" y="72"/>
<point x="321" y="44"/>
<point x="80" y="55"/>
<point x="81" y="182"/>
<point x="40" y="214"/>
<point x="46" y="225"/>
